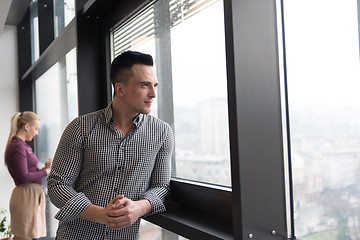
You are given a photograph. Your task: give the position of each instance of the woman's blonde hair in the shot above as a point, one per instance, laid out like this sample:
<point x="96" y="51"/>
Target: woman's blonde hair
<point x="18" y="120"/>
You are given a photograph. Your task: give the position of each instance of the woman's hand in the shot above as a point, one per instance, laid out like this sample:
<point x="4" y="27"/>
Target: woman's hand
<point x="48" y="164"/>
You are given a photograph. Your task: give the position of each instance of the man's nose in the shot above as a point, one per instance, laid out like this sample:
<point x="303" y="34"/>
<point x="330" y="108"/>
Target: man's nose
<point x="152" y="93"/>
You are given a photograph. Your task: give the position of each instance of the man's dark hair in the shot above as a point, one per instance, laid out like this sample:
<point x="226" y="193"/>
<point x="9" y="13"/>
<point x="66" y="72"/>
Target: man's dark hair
<point x="120" y="70"/>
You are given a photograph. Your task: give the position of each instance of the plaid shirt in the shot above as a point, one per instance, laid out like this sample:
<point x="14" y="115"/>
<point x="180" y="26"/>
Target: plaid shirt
<point x="94" y="163"/>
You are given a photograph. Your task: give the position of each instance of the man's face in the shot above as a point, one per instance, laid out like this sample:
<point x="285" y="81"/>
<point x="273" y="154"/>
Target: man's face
<point x="140" y="90"/>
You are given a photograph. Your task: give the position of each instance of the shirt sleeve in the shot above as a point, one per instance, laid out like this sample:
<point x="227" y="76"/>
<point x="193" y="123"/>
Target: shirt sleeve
<point x="65" y="170"/>
<point x="20" y="163"/>
<point x="159" y="187"/>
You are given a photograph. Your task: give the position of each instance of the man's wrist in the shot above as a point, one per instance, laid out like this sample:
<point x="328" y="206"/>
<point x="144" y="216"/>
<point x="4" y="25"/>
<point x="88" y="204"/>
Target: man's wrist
<point x="145" y="207"/>
<point x="93" y="213"/>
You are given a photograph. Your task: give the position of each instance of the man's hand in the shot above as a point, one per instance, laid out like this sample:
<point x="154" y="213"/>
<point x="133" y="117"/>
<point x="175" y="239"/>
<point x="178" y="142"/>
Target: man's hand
<point x="120" y="213"/>
<point x="124" y="212"/>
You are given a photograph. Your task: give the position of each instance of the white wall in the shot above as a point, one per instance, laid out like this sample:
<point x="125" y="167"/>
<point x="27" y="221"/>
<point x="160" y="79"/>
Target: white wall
<point x="9" y="103"/>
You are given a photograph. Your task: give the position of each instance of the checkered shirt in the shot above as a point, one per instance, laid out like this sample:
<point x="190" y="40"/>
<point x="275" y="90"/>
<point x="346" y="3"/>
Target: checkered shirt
<point x="94" y="163"/>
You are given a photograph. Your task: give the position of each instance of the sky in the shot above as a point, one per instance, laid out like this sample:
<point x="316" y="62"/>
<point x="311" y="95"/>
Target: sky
<point x="322" y="52"/>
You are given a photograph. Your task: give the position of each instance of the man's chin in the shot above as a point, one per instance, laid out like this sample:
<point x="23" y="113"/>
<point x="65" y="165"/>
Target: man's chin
<point x="146" y="111"/>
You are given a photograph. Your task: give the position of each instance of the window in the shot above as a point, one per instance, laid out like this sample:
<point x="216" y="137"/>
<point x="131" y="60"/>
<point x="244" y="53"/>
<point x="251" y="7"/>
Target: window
<point x="56" y="105"/>
<point x="323" y="75"/>
<point x="187" y="40"/>
<point x="34" y="25"/>
<point x="64" y="12"/>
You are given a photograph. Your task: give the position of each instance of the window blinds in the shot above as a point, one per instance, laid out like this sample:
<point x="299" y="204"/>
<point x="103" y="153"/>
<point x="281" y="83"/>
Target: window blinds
<point x="142" y="28"/>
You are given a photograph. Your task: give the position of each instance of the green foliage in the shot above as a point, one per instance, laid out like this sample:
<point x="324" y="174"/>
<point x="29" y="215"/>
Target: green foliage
<point x="5" y="230"/>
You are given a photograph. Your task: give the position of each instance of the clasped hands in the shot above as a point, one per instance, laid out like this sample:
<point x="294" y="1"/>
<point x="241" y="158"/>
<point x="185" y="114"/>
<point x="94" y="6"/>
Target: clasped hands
<point x="122" y="212"/>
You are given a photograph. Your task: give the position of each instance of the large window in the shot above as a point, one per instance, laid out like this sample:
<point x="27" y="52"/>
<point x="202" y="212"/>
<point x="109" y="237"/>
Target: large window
<point x="188" y="42"/>
<point x="323" y="72"/>
<point x="56" y="105"/>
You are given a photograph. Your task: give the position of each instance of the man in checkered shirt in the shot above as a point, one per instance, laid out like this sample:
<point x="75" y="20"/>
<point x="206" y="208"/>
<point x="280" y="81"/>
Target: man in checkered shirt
<point x="113" y="166"/>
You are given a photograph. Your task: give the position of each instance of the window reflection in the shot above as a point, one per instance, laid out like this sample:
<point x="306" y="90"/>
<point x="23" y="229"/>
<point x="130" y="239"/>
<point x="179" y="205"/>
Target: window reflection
<point x="323" y="73"/>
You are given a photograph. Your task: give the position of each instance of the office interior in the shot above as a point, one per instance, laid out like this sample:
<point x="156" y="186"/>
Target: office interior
<point x="262" y="95"/>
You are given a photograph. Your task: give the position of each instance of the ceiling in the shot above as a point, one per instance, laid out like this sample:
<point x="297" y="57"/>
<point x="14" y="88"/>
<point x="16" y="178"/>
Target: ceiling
<point x="12" y="12"/>
<point x="4" y="10"/>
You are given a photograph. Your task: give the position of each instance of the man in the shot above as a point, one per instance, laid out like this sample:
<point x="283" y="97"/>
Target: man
<point x="113" y="166"/>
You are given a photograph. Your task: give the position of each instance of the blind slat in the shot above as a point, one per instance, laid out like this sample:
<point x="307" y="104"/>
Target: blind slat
<point x="142" y="28"/>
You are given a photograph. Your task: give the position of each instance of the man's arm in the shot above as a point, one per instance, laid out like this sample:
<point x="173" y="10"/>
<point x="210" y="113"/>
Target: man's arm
<point x="65" y="170"/>
<point x="159" y="187"/>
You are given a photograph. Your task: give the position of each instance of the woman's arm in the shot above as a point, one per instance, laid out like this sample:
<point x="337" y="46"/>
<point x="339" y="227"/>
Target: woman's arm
<point x="19" y="160"/>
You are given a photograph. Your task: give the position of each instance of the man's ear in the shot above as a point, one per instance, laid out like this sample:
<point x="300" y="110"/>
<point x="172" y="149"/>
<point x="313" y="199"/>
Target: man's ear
<point x="119" y="89"/>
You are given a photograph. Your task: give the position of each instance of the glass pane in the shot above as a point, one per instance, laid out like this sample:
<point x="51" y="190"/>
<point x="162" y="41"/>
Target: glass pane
<point x="187" y="40"/>
<point x="34" y="24"/>
<point x="323" y="72"/>
<point x="64" y="12"/>
<point x="200" y="96"/>
<point x="56" y="105"/>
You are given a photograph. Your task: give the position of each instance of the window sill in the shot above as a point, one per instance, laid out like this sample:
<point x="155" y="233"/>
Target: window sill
<point x="196" y="212"/>
<point x="192" y="224"/>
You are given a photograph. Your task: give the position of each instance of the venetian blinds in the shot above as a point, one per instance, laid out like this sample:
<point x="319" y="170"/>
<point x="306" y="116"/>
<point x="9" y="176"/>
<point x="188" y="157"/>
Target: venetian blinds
<point x="142" y="28"/>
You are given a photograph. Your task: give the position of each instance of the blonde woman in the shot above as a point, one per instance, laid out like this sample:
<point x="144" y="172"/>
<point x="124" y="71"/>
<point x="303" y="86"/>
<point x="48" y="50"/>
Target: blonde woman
<point x="27" y="203"/>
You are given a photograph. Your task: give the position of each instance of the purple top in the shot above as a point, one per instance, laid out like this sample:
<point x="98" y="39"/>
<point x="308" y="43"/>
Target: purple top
<point x="22" y="163"/>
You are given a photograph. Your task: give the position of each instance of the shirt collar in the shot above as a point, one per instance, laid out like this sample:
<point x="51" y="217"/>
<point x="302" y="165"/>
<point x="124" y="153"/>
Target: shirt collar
<point x="109" y="116"/>
<point x="137" y="121"/>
